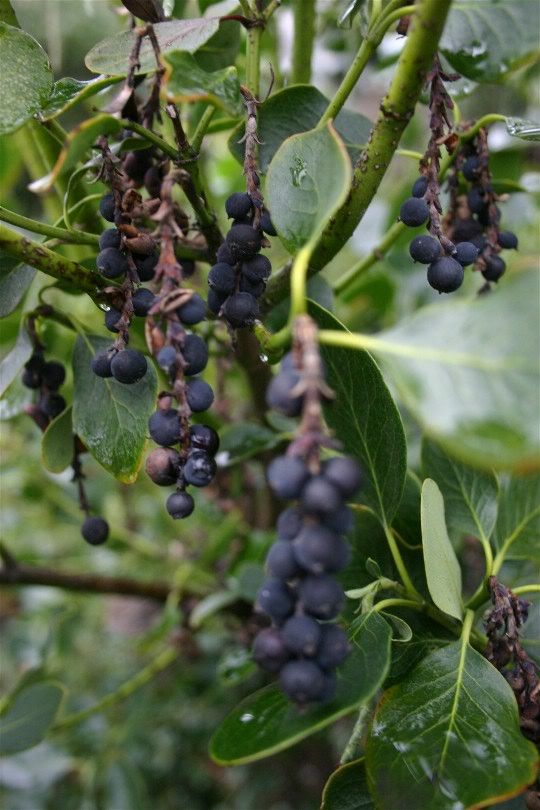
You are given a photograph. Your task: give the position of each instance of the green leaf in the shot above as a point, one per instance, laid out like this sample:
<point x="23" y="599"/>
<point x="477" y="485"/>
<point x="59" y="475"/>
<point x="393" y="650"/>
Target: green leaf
<point x="26" y="77"/>
<point x="347" y="789"/>
<point x="29" y="715"/>
<point x="7" y="14"/>
<point x="111" y="56"/>
<point x="15" y="278"/>
<point x="307" y="181"/>
<point x="68" y="92"/>
<point x="403" y="630"/>
<point x="13" y="362"/>
<point x="485" y="39"/>
<point x="523" y="129"/>
<point x="365" y="419"/>
<point x="57" y="443"/>
<point x="470" y="496"/>
<point x="222" y="48"/>
<point x="111" y="418"/>
<point x="186" y="81"/>
<point x="517" y="531"/>
<point x="448" y="736"/>
<point x="244" y="440"/>
<point x="266" y="722"/>
<point x="473" y="388"/>
<point x="443" y="573"/>
<point x="298" y="109"/>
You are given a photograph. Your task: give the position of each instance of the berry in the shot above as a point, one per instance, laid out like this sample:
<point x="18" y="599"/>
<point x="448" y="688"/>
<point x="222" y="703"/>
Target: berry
<point x="33" y="370"/>
<point x="329" y="689"/>
<point x="180" y="505"/>
<point x="243" y="241"/>
<point x="166" y="358"/>
<point x="224" y="255"/>
<point x="200" y="469"/>
<point x="195" y="353"/>
<point x="508" y="240"/>
<point x="137" y="163"/>
<point x="267" y="225"/>
<point x="95" y="530"/>
<point x="333" y="646"/>
<point x="470" y="168"/>
<point x="193" y="311"/>
<point x="414" y="212"/>
<point x="128" y="366"/>
<point x="257" y="269"/>
<point x="321" y="497"/>
<point x="420" y="187"/>
<point x="101" y="364"/>
<point x="490" y="215"/>
<point x="341" y="521"/>
<point x="111" y="238"/>
<point x="111" y="263"/>
<point x="269" y="650"/>
<point x="152" y="181"/>
<point x="475" y="200"/>
<point x="318" y="550"/>
<point x="495" y="267"/>
<point x="287" y="476"/>
<point x="164" y="427"/>
<point x="143" y="300"/>
<point x="107" y="207"/>
<point x="302" y="681"/>
<point x="321" y="596"/>
<point x="52" y="405"/>
<point x="254" y="288"/>
<point x="344" y="473"/>
<point x="222" y="278"/>
<point x="479" y="242"/>
<point x="53" y="375"/>
<point x="279" y="393"/>
<point x="203" y="437"/>
<point x="466" y="230"/>
<point x="112" y="316"/>
<point x="465" y="253"/>
<point x="146" y="266"/>
<point x="238" y="205"/>
<point x="445" y="275"/>
<point x="281" y="561"/>
<point x="199" y="395"/>
<point x="425" y="249"/>
<point x="301" y="635"/>
<point x="215" y="301"/>
<point x="289" y="523"/>
<point x="240" y="308"/>
<point x="188" y="268"/>
<point x="275" y="599"/>
<point x="163" y="466"/>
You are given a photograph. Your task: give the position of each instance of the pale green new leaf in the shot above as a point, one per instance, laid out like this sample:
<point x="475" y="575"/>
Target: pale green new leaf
<point x="443" y="573"/>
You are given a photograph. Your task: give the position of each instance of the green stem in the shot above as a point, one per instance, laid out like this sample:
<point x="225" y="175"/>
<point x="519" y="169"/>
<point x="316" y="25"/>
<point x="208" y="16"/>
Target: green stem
<point x="270" y="8"/>
<point x="467" y="628"/>
<point x="485" y="121"/>
<point x="161" y="662"/>
<point x="395" y="602"/>
<point x="75" y="237"/>
<point x="353" y="747"/>
<point x="367" y="262"/>
<point x="400" y="565"/>
<point x="202" y="128"/>
<point x="253" y="60"/>
<point x="304" y="37"/>
<point x="166" y="147"/>
<point x="40" y="257"/>
<point x="534" y="587"/>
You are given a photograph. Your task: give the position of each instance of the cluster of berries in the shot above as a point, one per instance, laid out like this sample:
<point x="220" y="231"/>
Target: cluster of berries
<point x="239" y="277"/>
<point x="47" y="377"/>
<point x="301" y="595"/>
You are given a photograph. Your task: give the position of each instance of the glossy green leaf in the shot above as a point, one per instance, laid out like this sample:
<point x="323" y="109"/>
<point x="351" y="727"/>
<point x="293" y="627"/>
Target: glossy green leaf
<point x="13" y="362"/>
<point x="347" y="789"/>
<point x="186" y="81"/>
<point x="68" y="92"/>
<point x="484" y="40"/>
<point x="26" y="77"/>
<point x="15" y="278"/>
<point x="307" y="181"/>
<point x="523" y="129"/>
<point x="448" y="736"/>
<point x="298" y="109"/>
<point x="517" y="531"/>
<point x="222" y="48"/>
<point x="111" y="56"/>
<point x="470" y="495"/>
<point x="365" y="419"/>
<point x="474" y="388"/>
<point x="427" y="635"/>
<point x="7" y="14"/>
<point x="111" y="418"/>
<point x="28" y="716"/>
<point x="244" y="440"/>
<point x="57" y="443"/>
<point x="443" y="573"/>
<point x="266" y="722"/>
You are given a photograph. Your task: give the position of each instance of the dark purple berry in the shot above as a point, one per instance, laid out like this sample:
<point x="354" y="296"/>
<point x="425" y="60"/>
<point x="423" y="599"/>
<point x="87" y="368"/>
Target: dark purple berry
<point x="470" y="168"/>
<point x="333" y="646"/>
<point x="425" y="249"/>
<point x="281" y="561"/>
<point x="466" y="230"/>
<point x="508" y="240"/>
<point x="52" y="405"/>
<point x="216" y="301"/>
<point x="319" y="551"/>
<point x="199" y="469"/>
<point x="199" y="395"/>
<point x="301" y="635"/>
<point x="257" y="269"/>
<point x="243" y="242"/>
<point x="95" y="530"/>
<point x="465" y="253"/>
<point x="111" y="263"/>
<point x="163" y="466"/>
<point x="143" y="299"/>
<point x="224" y="255"/>
<point x="321" y="596"/>
<point x="420" y="187"/>
<point x="53" y="375"/>
<point x="101" y="364"/>
<point x="111" y="238"/>
<point x="254" y="288"/>
<point x="137" y="163"/>
<point x="107" y="207"/>
<point x="287" y="476"/>
<point x="302" y="681"/>
<point x="495" y="267"/>
<point x="289" y="523"/>
<point x="204" y="437"/>
<point x="269" y="650"/>
<point x="445" y="275"/>
<point x="152" y="181"/>
<point x="33" y="370"/>
<point x="180" y="505"/>
<point x="112" y="316"/>
<point x="344" y="473"/>
<point x="414" y="212"/>
<point x="222" y="278"/>
<point x="195" y="353"/>
<point x="193" y="311"/>
<point x="146" y="266"/>
<point x="238" y="205"/>
<point x="279" y="394"/>
<point x="240" y="309"/>
<point x="340" y="521"/>
<point x="128" y="366"/>
<point x="267" y="225"/>
<point x="476" y="200"/>
<point x="164" y="427"/>
<point x="275" y="599"/>
<point x="321" y="497"/>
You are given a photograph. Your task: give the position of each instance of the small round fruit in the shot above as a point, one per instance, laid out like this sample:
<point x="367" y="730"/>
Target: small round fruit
<point x="195" y="354"/>
<point x="53" y="375"/>
<point x="111" y="263"/>
<point x="112" y="316"/>
<point x="321" y="596"/>
<point x="302" y="635"/>
<point x="164" y="427"/>
<point x="204" y="437"/>
<point x="344" y="473"/>
<point x="333" y="647"/>
<point x="281" y="561"/>
<point x="240" y="309"/>
<point x="287" y="476"/>
<point x="420" y="187"/>
<point x="321" y="497"/>
<point x="495" y="267"/>
<point x="146" y="266"/>
<point x="476" y="200"/>
<point x="341" y="521"/>
<point x="107" y="207"/>
<point x="180" y="505"/>
<point x="414" y="212"/>
<point x="52" y="405"/>
<point x="128" y="366"/>
<point x="269" y="650"/>
<point x="199" y="469"/>
<point x="257" y="269"/>
<point x="111" y="238"/>
<point x="254" y="288"/>
<point x="243" y="242"/>
<point x="465" y="253"/>
<point x="267" y="225"/>
<point x="95" y="530"/>
<point x="166" y="358"/>
<point x="163" y="466"/>
<point x="137" y="163"/>
<point x="425" y="249"/>
<point x="222" y="278"/>
<point x="319" y="551"/>
<point x="302" y="681"/>
<point x="33" y="369"/>
<point x="143" y="299"/>
<point x="215" y="301"/>
<point x="238" y="205"/>
<point x="279" y="394"/>
<point x="289" y="523"/>
<point x="508" y="240"/>
<point x="152" y="181"/>
<point x="193" y="311"/>
<point x="275" y="599"/>
<point x="466" y="230"/>
<point x="101" y="364"/>
<point x="224" y="255"/>
<point x="470" y="168"/>
<point x="445" y="275"/>
<point x="199" y="395"/>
